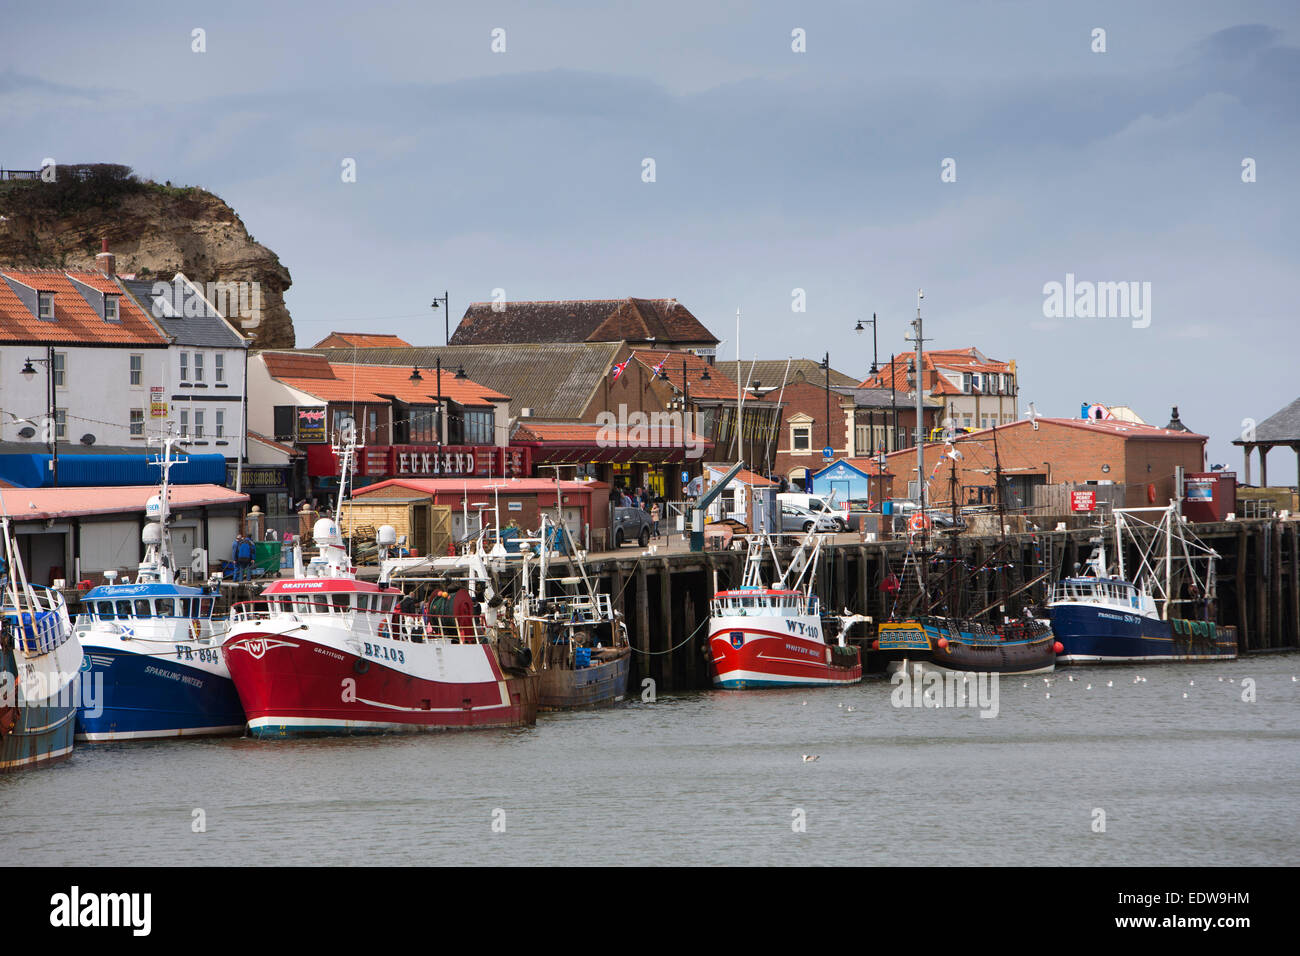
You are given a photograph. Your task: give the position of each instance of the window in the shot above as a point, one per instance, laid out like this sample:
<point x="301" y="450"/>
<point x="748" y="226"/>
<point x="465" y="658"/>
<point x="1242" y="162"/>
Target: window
<point x="478" y="428"/>
<point x="802" y="438"/>
<point x="137" y="370"/>
<point x="137" y="423"/>
<point x="185" y="424"/>
<point x="60" y="368"/>
<point x="185" y="366"/>
<point x="198" y="366"/>
<point x="164" y="606"/>
<point x="61" y="424"/>
<point x="965" y="382"/>
<point x="221" y="424"/>
<point x="198" y="424"/>
<point x="218" y="367"/>
<point x="45" y="305"/>
<point x="423" y="426"/>
<point x="110" y="308"/>
<point x="284" y="422"/>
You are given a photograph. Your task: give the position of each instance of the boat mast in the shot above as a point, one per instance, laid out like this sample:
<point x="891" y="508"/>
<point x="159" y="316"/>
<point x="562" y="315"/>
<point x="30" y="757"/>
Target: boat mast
<point x="919" y="339"/>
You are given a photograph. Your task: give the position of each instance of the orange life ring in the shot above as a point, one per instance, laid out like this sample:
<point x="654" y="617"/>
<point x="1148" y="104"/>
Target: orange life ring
<point x="918" y="521"/>
<point x="384" y="630"/>
<point x="1151" y="494"/>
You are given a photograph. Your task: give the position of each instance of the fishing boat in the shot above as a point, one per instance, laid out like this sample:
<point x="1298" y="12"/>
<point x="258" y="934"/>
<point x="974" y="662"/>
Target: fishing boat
<point x="930" y="621"/>
<point x="324" y="652"/>
<point x="776" y="636"/>
<point x="40" y="667"/>
<point x="578" y="641"/>
<point x="1102" y="617"/>
<point x="154" y="647"/>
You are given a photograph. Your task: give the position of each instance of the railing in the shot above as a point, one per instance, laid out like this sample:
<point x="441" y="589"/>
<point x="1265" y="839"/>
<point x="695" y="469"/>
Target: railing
<point x="39" y="632"/>
<point x="390" y="625"/>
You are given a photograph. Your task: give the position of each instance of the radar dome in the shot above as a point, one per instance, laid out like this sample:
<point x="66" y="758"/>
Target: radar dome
<point x="151" y="533"/>
<point x="386" y="536"/>
<point x="325" y="531"/>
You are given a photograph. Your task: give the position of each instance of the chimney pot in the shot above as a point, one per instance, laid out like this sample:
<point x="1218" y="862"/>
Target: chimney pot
<point x="106" y="262"/>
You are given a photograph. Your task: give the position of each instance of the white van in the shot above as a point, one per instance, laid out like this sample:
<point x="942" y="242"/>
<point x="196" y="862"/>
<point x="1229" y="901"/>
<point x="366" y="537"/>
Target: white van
<point x="817" y="504"/>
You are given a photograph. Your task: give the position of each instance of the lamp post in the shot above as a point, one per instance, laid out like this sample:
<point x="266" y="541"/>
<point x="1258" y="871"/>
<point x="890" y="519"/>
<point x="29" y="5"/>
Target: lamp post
<point x="52" y="406"/>
<point x="446" y="316"/>
<point x="826" y="364"/>
<point x="875" y="367"/>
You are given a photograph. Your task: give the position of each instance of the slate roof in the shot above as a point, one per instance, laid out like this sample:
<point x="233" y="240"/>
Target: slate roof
<point x="664" y="321"/>
<point x="884" y="398"/>
<point x="1281" y="426"/>
<point x="772" y="373"/>
<point x="557" y="381"/>
<point x="76" y="320"/>
<point x="206" y="330"/>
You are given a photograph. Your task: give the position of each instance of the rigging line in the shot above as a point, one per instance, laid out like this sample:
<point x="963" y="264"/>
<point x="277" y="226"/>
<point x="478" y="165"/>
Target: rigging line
<point x="690" y="637"/>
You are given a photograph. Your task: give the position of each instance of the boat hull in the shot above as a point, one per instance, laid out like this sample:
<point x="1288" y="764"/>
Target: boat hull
<point x="34" y="733"/>
<point x="745" y="655"/>
<point x="293" y="686"/>
<point x="602" y="684"/>
<point x="1101" y="635"/>
<point x="953" y="647"/>
<point x="146" y="696"/>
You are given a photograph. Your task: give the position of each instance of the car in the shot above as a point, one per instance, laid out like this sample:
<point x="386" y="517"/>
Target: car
<point x="794" y="518"/>
<point x="630" y="524"/>
<point x="817" y="504"/>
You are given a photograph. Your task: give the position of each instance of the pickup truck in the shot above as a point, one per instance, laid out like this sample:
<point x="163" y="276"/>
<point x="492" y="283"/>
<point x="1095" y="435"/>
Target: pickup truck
<point x="630" y="524"/>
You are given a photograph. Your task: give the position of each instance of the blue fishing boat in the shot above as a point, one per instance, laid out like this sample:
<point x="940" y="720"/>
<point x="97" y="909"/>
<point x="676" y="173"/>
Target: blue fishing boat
<point x="1164" y="612"/>
<point x="40" y="667"/>
<point x="154" y="647"/>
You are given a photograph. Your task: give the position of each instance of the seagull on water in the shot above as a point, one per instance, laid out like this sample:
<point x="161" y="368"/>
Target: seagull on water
<point x="809" y="758"/>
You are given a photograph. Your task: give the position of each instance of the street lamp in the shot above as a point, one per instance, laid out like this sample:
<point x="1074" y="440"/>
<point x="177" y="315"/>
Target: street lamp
<point x="446" y="316"/>
<point x="875" y="366"/>
<point x="29" y="372"/>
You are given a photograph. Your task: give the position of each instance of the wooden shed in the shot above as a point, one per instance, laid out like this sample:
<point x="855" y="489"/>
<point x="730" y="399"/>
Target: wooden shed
<point x="427" y="526"/>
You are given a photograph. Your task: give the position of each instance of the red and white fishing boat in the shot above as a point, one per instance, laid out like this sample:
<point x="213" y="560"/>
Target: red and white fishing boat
<point x="762" y="636"/>
<point x="326" y="653"/>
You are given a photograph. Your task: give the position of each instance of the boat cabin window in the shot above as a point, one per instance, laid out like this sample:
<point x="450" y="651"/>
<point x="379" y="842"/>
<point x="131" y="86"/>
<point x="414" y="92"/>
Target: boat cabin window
<point x="142" y="608"/>
<point x="322" y="603"/>
<point x="123" y="610"/>
<point x="205" y="607"/>
<point x="164" y="606"/>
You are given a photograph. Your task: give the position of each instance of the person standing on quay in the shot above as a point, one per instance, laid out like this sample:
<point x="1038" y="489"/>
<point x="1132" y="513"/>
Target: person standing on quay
<point x="654" y="520"/>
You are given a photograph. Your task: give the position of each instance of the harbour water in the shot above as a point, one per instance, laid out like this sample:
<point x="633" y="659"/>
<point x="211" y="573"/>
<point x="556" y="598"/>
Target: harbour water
<point x="719" y="778"/>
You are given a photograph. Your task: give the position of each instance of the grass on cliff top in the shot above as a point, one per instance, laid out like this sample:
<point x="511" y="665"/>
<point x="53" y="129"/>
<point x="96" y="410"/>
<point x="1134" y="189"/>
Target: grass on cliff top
<point x="82" y="188"/>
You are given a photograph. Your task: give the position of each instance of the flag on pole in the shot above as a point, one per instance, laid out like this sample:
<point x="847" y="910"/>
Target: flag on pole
<point x="619" y="367"/>
<point x="660" y="367"/>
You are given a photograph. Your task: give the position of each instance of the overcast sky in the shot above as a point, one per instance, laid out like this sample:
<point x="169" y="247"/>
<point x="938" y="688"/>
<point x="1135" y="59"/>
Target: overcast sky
<point x="775" y="170"/>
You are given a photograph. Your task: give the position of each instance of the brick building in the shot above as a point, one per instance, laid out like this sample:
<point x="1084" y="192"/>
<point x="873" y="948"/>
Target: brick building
<point x="1137" y="461"/>
<point x="977" y="391"/>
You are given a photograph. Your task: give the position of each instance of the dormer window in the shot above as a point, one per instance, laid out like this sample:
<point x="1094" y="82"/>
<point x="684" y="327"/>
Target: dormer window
<point x="110" y="309"/>
<point x="45" y="305"/>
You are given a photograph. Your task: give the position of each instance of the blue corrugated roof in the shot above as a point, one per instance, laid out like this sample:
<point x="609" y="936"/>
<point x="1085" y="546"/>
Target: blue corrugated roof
<point x="81" y="471"/>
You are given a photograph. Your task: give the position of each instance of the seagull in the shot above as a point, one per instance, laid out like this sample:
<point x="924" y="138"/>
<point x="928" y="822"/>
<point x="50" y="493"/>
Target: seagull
<point x="1191" y="683"/>
<point x="1089" y="687"/>
<point x="1221" y="679"/>
<point x="1048" y="696"/>
<point x="849" y="710"/>
<point x="804" y="704"/>
<point x="1072" y="678"/>
<point x="809" y="758"/>
<point x="1110" y="683"/>
<point x="1184" y="695"/>
<point x="839" y="705"/>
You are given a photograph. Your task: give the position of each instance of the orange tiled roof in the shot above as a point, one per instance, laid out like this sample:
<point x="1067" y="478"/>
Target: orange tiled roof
<point x="76" y="321"/>
<point x="346" y="382"/>
<point x="30" y="504"/>
<point x="361" y="340"/>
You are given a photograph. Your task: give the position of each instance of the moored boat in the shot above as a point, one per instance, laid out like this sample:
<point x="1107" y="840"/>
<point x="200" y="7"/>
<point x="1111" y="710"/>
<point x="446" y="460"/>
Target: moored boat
<point x="762" y="636"/>
<point x="326" y="653"/>
<point x="154" y="648"/>
<point x="40" y="667"/>
<point x="1105" y="618"/>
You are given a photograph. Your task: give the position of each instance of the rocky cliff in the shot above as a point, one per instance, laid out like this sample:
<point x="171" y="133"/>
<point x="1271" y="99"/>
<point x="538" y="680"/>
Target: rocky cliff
<point x="154" y="230"/>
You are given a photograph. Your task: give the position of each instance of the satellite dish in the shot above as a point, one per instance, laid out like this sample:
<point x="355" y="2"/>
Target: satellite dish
<point x="88" y="439"/>
<point x="27" y="431"/>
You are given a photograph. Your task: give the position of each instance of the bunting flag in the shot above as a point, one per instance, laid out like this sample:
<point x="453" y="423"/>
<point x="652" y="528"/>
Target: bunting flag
<point x="660" y="367"/>
<point x="618" y="368"/>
